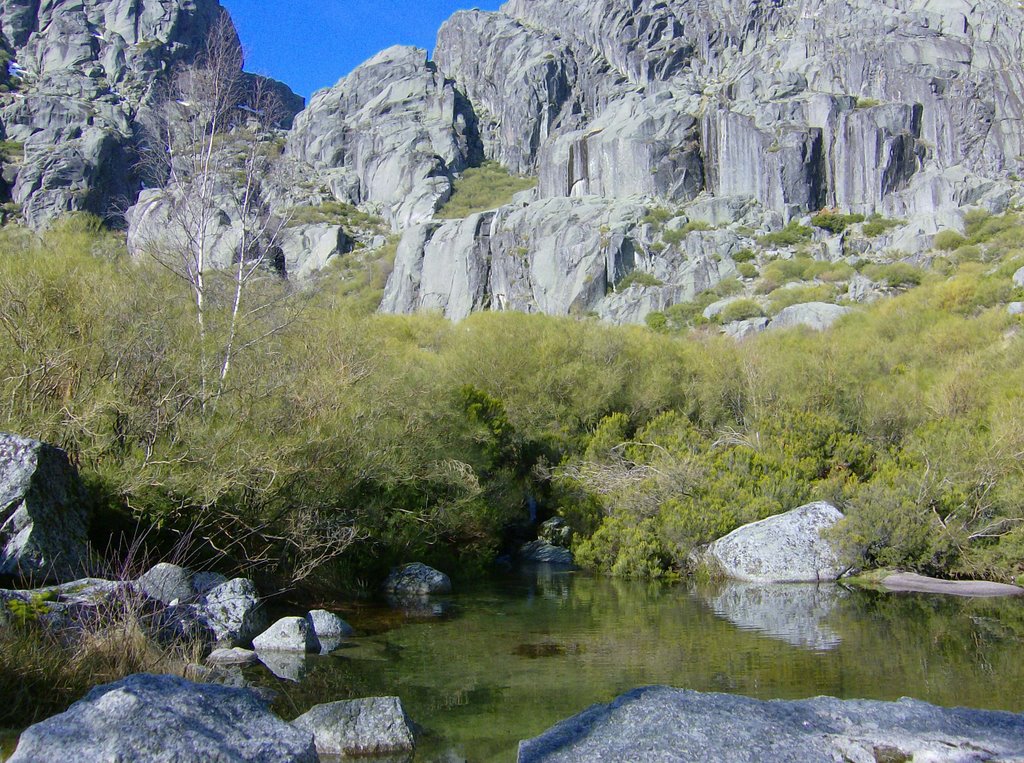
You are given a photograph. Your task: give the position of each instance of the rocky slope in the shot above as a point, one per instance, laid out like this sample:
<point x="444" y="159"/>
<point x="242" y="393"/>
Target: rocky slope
<point x="665" y="136"/>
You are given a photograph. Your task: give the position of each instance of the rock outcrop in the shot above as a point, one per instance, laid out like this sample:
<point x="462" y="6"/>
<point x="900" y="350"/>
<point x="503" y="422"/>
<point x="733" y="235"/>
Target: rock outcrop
<point x="659" y="723"/>
<point x="541" y="551"/>
<point x="164" y="718"/>
<point x="43" y="517"/>
<point x="417" y="579"/>
<point x="912" y="583"/>
<point x="359" y="727"/>
<point x="785" y="548"/>
<point x="81" y="73"/>
<point x="389" y="134"/>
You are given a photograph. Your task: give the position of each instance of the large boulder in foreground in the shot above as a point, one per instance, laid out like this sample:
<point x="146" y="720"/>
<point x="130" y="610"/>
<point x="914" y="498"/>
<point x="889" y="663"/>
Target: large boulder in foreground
<point x="371" y="726"/>
<point x="417" y="579"/>
<point x="165" y="719"/>
<point x="785" y="548"/>
<point x="43" y="519"/>
<point x="664" y="724"/>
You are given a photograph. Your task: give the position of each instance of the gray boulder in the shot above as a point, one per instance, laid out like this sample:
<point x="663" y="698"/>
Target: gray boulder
<point x="663" y="724"/>
<point x="329" y="629"/>
<point x="1015" y="308"/>
<point x="911" y="582"/>
<point x="417" y="579"/>
<point x="1018" y="278"/>
<point x="167" y="583"/>
<point x="166" y="719"/>
<point x="544" y="552"/>
<point x="232" y="612"/>
<point x="43" y="518"/>
<point x="814" y="315"/>
<point x="744" y="329"/>
<point x="785" y="548"/>
<point x="307" y="249"/>
<point x="372" y="726"/>
<point x="289" y="634"/>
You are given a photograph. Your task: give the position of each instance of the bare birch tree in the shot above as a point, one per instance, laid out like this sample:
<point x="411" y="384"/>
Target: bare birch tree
<point x="214" y="200"/>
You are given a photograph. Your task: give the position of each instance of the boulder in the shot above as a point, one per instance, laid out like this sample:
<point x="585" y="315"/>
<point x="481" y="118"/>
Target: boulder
<point x="1018" y="278"/>
<point x="785" y="548"/>
<point x="307" y="249"/>
<point x="556" y="531"/>
<point x="663" y="724"/>
<point x="544" y="552"/>
<point x="371" y="726"/>
<point x="43" y="517"/>
<point x="744" y="329"/>
<point x="232" y="612"/>
<point x="1015" y="308"/>
<point x="417" y="579"/>
<point x="814" y="315"/>
<point x="911" y="582"/>
<point x="166" y="719"/>
<point x="329" y="629"/>
<point x="167" y="583"/>
<point x="236" y="656"/>
<point x="289" y="634"/>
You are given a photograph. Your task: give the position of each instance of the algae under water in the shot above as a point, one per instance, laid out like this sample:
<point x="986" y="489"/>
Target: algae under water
<point x="508" y="658"/>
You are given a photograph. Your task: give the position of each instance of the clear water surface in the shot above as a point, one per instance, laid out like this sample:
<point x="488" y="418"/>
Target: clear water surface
<point x="508" y="658"/>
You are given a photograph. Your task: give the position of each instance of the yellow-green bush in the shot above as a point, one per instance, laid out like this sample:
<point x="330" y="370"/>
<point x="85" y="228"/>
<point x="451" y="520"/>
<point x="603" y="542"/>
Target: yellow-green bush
<point x="481" y="188"/>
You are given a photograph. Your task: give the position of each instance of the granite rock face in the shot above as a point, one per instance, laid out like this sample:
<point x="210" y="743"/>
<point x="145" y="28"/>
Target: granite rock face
<point x="389" y="134"/>
<point x="785" y="548"/>
<point x="81" y="72"/>
<point x="166" y="719"/>
<point x="43" y="517"/>
<point x="659" y="723"/>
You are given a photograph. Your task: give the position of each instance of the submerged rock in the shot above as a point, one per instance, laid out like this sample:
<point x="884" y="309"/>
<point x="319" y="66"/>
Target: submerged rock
<point x="372" y="726"/>
<point x="417" y="579"/>
<point x="235" y="656"/>
<point x="785" y="548"/>
<point x="663" y="724"/>
<point x="165" y="718"/>
<point x="43" y="518"/>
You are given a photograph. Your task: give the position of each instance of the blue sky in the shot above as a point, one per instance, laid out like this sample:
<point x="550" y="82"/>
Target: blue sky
<point x="310" y="44"/>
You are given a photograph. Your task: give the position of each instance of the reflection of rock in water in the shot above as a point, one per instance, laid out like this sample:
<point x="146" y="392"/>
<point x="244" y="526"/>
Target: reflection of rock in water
<point x="291" y="666"/>
<point x="794" y="613"/>
<point x="416" y="607"/>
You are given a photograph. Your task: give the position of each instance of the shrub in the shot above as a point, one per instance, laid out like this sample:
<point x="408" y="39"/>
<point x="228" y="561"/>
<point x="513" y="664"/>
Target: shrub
<point x="744" y="255"/>
<point x="638" y="278"/>
<point x="894" y="274"/>
<point x="798" y="295"/>
<point x="479" y="189"/>
<point x="835" y="222"/>
<point x="748" y="270"/>
<point x="791" y="235"/>
<point x="740" y="310"/>
<point x="878" y="225"/>
<point x="948" y="240"/>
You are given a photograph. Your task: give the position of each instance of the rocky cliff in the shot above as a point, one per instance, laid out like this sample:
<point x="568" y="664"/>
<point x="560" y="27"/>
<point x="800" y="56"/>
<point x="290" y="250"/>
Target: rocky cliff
<point x="665" y="136"/>
<point x="75" y="76"/>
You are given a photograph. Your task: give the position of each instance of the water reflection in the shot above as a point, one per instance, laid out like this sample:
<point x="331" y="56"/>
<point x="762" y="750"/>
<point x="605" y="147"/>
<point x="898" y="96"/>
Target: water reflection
<point x="517" y="655"/>
<point x="794" y="613"/>
<point x="288" y="666"/>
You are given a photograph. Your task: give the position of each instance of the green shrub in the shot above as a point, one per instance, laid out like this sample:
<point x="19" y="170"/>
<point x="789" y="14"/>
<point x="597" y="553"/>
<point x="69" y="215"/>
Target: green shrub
<point x="798" y="295"/>
<point x="748" y="270"/>
<point x="334" y="213"/>
<point x="948" y="240"/>
<point x="895" y="274"/>
<point x="791" y="235"/>
<point x="638" y="278"/>
<point x="867" y="103"/>
<point x="740" y="310"/>
<point x="878" y="225"/>
<point x="479" y="189"/>
<point x="835" y="222"/>
<point x="744" y="255"/>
